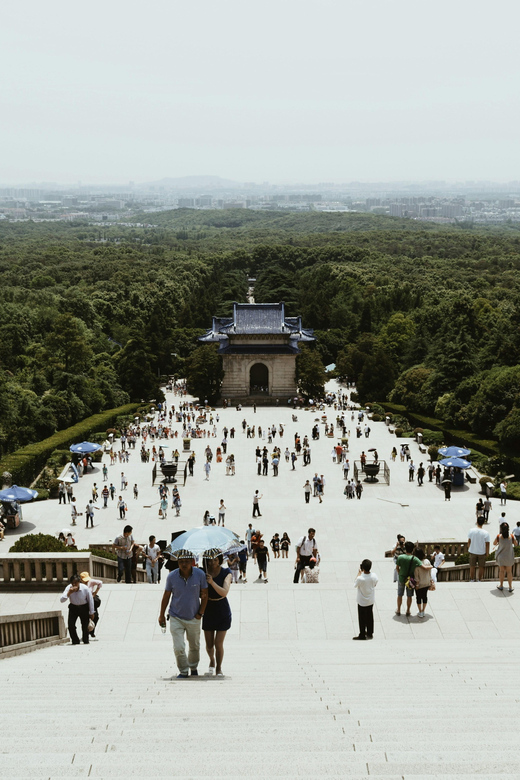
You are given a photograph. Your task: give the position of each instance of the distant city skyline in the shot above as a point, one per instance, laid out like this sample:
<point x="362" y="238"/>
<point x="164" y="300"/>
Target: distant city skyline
<point x="287" y="91"/>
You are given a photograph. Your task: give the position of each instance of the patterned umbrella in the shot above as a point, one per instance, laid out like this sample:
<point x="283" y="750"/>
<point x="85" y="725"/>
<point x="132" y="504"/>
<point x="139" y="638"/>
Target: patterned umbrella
<point x="454" y="452"/>
<point x="84" y="447"/>
<point x="457" y="463"/>
<point x="203" y="538"/>
<point x="19" y="494"/>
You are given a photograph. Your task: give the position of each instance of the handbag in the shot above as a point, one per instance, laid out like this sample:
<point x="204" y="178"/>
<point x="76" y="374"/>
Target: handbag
<point x="411" y="582"/>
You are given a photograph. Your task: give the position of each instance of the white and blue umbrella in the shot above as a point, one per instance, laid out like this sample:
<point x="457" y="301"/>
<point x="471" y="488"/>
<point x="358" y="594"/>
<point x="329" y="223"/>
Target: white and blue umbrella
<point x="19" y="494"/>
<point x="456" y="463"/>
<point x="454" y="452"/>
<point x="205" y="537"/>
<point x="84" y="447"/>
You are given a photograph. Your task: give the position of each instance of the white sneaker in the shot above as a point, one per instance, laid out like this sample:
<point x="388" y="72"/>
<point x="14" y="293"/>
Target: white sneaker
<point x="210" y="672"/>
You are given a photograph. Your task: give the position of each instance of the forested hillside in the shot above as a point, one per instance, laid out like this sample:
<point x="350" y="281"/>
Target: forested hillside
<point x="91" y="316"/>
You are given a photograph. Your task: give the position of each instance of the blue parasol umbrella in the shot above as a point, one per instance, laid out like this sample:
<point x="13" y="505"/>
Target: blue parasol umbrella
<point x="84" y="447"/>
<point x="16" y="493"/>
<point x="457" y="463"/>
<point x="204" y="537"/>
<point x="454" y="452"/>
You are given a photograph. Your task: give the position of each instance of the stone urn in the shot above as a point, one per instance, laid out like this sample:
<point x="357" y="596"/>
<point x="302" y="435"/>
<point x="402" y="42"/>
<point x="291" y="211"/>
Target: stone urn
<point x="371" y="471"/>
<point x="169" y="470"/>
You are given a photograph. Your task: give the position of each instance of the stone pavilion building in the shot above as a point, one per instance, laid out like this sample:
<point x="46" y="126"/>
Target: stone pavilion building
<point x="259" y="345"/>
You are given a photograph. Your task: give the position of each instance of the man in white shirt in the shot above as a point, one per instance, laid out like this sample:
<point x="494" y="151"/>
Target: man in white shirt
<point x="152" y="553"/>
<point x="249" y="533"/>
<point x="438" y="557"/>
<point x="478" y="541"/>
<point x="81" y="605"/>
<point x="365" y="584"/>
<point x="306" y="548"/>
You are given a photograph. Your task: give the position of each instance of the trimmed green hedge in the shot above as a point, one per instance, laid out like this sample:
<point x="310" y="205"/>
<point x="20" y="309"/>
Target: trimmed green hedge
<point x="464" y="558"/>
<point x="26" y="463"/>
<point x="101" y="553"/>
<point x="48" y="543"/>
<point x="470" y="440"/>
<point x="37" y="543"/>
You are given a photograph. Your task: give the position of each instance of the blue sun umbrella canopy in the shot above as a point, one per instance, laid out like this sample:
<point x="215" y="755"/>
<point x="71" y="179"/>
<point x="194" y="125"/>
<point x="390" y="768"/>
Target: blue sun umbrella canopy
<point x="205" y="537"/>
<point x="84" y="447"/>
<point x="19" y="494"/>
<point x="453" y="452"/>
<point x="457" y="463"/>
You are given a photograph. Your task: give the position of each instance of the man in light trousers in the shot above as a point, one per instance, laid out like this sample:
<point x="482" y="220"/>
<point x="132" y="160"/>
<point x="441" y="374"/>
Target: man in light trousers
<point x="186" y="592"/>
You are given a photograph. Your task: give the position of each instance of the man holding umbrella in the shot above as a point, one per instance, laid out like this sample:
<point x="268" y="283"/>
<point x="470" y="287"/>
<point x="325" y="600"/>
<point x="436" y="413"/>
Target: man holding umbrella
<point x="186" y="592"/>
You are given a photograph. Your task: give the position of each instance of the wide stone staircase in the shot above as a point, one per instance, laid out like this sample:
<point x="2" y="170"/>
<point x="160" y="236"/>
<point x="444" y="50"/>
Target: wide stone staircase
<point x="380" y="709"/>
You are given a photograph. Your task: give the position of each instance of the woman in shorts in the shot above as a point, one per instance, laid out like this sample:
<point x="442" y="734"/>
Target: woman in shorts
<point x="217" y="617"/>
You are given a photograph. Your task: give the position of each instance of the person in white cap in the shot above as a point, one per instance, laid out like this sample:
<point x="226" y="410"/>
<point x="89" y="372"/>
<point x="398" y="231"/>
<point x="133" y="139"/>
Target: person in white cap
<point x="186" y="592"/>
<point x="95" y="586"/>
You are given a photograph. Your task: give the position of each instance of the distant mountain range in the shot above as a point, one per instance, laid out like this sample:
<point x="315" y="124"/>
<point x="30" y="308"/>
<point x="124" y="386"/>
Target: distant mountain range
<point x="196" y="182"/>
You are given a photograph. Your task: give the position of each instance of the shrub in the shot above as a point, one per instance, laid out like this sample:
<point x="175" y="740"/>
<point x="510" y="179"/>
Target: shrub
<point x="484" y="480"/>
<point x="124" y="420"/>
<point x="433" y="437"/>
<point x="433" y="452"/>
<point x="43" y="494"/>
<point x="53" y="488"/>
<point x="376" y="409"/>
<point x="418" y="430"/>
<point x="464" y="558"/>
<point x="354" y="398"/>
<point x="37" y="543"/>
<point x="101" y="553"/>
<point x="97" y="438"/>
<point x="376" y="418"/>
<point x="26" y="463"/>
<point x="398" y="432"/>
<point x="478" y="459"/>
<point x="56" y="462"/>
<point x="513" y="491"/>
<point x="48" y="543"/>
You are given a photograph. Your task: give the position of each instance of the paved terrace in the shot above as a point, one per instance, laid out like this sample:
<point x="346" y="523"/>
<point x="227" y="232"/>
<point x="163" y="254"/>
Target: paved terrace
<point x="425" y="698"/>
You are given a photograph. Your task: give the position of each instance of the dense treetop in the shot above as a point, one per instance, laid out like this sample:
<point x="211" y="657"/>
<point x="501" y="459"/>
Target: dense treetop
<point x="91" y="316"/>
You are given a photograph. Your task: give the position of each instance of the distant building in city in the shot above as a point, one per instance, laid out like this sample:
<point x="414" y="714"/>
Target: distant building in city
<point x="259" y="345"/>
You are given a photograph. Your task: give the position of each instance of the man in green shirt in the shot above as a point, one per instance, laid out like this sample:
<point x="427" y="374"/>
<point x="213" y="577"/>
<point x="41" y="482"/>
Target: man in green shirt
<point x="405" y="566"/>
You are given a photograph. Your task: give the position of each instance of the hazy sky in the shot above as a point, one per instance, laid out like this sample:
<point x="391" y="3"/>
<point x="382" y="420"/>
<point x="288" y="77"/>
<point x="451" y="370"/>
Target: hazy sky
<point x="279" y="90"/>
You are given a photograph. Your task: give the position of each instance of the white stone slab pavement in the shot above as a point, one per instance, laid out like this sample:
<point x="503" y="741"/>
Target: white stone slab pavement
<point x="302" y="698"/>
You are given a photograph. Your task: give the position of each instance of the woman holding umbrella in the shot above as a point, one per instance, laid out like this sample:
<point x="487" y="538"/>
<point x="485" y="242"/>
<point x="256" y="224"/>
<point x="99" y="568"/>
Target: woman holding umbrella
<point x="217" y="617"/>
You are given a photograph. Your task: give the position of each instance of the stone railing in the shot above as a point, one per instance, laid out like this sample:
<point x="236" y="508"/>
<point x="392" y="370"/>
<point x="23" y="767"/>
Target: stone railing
<point x="54" y="569"/>
<point x="24" y="633"/>
<point x="461" y="573"/>
<point x="451" y="550"/>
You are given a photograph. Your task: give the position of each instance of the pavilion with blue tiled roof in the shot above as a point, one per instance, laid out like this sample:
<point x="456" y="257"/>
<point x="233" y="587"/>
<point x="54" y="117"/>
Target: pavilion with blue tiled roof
<point x="258" y="344"/>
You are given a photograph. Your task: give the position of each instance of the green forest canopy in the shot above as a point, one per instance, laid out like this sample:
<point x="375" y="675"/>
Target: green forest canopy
<point x="90" y="317"/>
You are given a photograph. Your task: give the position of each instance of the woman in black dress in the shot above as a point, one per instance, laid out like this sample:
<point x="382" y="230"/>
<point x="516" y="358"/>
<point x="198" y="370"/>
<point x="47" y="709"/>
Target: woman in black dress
<point x="285" y="544"/>
<point x="217" y="617"/>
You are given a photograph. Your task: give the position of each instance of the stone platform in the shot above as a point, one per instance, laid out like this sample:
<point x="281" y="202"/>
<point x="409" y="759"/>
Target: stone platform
<point x="430" y="698"/>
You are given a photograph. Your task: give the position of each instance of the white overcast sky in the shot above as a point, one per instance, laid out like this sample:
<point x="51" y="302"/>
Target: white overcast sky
<point x="278" y="90"/>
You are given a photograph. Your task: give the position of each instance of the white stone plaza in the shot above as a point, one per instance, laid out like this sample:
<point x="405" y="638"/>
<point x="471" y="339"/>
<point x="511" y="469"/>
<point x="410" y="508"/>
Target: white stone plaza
<point x="426" y="698"/>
